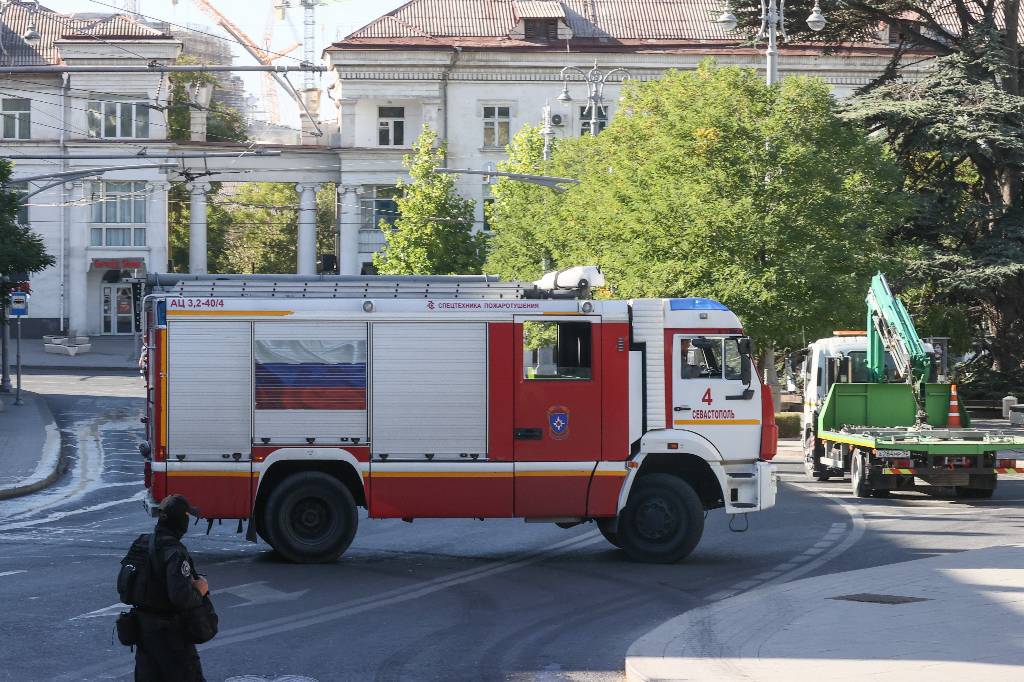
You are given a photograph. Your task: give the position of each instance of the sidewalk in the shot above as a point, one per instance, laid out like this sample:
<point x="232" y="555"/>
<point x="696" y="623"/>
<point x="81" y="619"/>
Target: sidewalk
<point x="965" y="623"/>
<point x="108" y="352"/>
<point x="29" y="445"/>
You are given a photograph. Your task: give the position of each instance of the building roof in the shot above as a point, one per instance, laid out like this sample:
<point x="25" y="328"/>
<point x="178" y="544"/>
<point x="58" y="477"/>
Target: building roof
<point x="15" y="18"/>
<point x="454" y="22"/>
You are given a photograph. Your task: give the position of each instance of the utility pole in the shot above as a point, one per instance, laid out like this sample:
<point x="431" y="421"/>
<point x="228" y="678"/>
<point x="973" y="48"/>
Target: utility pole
<point x="5" y="338"/>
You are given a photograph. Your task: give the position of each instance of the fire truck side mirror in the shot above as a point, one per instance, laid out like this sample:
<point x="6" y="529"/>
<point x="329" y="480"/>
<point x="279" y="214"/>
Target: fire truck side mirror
<point x="744" y="346"/>
<point x="745" y="369"/>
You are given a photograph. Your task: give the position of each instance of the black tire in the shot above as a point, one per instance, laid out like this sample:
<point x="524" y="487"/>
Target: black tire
<point x="662" y="521"/>
<point x="605" y="526"/>
<point x="858" y="476"/>
<point x="310" y="518"/>
<point x="813" y="468"/>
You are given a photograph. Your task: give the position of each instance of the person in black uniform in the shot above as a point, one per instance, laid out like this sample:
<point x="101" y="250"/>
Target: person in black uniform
<point x="166" y="652"/>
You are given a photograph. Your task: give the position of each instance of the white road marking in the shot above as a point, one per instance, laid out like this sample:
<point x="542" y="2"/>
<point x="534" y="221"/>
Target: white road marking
<point x="57" y="516"/>
<point x="111" y="610"/>
<point x="11" y="573"/>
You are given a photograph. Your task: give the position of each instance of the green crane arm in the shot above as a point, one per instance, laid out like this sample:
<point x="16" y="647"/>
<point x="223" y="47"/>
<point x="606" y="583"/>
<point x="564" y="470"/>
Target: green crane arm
<point x="890" y="329"/>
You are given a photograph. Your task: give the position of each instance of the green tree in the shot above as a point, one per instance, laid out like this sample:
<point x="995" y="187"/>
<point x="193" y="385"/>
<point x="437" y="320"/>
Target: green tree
<point x="262" y="230"/>
<point x="710" y="183"/>
<point x="21" y="249"/>
<point x="433" y="234"/>
<point x="959" y="135"/>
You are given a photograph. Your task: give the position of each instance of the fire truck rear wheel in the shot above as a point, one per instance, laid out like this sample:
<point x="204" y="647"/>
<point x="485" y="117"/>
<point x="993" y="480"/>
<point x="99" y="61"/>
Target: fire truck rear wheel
<point x="662" y="521"/>
<point x="311" y="518"/>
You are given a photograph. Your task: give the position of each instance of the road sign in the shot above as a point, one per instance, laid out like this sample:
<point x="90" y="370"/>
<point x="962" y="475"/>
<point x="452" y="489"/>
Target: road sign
<point x="19" y="304"/>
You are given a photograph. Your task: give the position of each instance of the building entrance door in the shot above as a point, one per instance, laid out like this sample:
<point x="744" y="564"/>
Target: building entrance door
<point x="118" y="309"/>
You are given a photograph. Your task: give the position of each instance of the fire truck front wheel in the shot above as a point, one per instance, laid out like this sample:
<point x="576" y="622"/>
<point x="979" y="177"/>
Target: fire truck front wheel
<point x="662" y="521"/>
<point x="311" y="518"/>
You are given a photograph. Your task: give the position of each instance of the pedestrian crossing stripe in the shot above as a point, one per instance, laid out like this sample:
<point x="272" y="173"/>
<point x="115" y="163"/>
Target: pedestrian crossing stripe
<point x="898" y="471"/>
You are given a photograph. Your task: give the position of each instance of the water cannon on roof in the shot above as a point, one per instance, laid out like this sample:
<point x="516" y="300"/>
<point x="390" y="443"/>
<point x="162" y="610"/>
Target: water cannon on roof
<point x="580" y="278"/>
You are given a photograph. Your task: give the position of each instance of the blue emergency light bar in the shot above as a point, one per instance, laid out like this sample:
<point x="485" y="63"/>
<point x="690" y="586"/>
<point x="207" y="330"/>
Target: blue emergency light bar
<point x="695" y="304"/>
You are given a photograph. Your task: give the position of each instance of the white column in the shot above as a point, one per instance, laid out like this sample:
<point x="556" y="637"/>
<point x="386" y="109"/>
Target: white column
<point x="157" y="228"/>
<point x="306" y="251"/>
<point x="347" y="122"/>
<point x="349" y="219"/>
<point x="197" y="227"/>
<point x="78" y="262"/>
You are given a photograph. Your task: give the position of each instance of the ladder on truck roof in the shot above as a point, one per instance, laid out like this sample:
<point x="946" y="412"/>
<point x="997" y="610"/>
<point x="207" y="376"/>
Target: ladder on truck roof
<point x="355" y="286"/>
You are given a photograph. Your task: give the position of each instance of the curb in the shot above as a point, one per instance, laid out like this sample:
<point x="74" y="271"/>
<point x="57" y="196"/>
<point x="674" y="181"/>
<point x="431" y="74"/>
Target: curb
<point x="48" y="469"/>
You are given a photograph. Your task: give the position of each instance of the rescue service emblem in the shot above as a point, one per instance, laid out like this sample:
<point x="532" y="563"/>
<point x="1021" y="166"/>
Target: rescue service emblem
<point x="186" y="570"/>
<point x="558" y="422"/>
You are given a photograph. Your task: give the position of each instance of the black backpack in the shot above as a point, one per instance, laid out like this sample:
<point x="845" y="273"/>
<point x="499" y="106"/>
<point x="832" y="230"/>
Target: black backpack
<point x="137" y="570"/>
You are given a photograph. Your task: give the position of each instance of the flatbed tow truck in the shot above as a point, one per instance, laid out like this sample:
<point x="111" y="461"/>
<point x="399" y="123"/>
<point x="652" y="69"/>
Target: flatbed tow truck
<point x="897" y="436"/>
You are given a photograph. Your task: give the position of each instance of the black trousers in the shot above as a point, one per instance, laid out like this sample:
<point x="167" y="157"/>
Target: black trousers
<point x="165" y="653"/>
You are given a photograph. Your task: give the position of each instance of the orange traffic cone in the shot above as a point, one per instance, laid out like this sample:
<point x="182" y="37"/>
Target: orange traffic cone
<point x="953" y="419"/>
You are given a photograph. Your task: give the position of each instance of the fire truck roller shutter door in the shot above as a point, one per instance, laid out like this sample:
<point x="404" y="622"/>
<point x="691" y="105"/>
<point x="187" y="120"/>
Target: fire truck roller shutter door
<point x="429" y="423"/>
<point x="210" y="389"/>
<point x="210" y="415"/>
<point x="309" y="382"/>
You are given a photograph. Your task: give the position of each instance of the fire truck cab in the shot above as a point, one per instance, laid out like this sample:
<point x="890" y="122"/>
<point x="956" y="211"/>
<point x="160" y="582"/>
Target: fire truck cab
<point x="290" y="401"/>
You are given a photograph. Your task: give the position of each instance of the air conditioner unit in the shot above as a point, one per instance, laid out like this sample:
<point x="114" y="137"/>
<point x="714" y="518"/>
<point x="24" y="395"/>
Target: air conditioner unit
<point x="556" y="119"/>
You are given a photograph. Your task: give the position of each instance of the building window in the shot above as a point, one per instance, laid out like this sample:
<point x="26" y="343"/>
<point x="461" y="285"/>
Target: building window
<point x="118" y="214"/>
<point x="378" y="204"/>
<point x="602" y="119"/>
<point x="391" y="126"/>
<point x="541" y="29"/>
<point x="118" y="119"/>
<point x="18" y="189"/>
<point x="497" y="122"/>
<point x="488" y="207"/>
<point x="17" y="118"/>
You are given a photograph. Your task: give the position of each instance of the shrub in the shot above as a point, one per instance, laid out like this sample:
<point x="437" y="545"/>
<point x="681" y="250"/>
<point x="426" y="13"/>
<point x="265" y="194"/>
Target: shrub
<point x="789" y="424"/>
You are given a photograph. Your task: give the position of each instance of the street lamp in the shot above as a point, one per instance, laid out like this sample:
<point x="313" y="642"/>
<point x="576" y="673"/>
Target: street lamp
<point x="773" y="25"/>
<point x="595" y="80"/>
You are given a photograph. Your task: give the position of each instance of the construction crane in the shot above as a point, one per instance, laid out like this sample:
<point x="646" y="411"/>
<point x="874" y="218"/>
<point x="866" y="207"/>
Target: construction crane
<point x="263" y="55"/>
<point x="308" y="32"/>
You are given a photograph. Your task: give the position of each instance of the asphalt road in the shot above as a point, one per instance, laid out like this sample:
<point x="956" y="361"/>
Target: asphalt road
<point x="436" y="599"/>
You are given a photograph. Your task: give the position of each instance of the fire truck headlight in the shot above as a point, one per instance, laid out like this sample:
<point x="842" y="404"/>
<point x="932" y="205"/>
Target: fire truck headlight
<point x="367" y="306"/>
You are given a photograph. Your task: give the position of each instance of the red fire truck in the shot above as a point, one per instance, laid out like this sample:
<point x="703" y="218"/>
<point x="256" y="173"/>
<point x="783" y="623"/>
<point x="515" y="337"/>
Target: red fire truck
<point x="290" y="401"/>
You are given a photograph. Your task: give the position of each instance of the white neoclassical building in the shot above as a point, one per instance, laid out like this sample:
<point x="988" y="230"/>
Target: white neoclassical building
<point x="102" y="229"/>
<point x="477" y="70"/>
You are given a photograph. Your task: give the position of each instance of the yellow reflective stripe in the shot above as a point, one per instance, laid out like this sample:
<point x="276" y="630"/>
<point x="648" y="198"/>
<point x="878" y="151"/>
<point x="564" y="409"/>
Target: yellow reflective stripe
<point x="229" y="313"/>
<point x="570" y="472"/>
